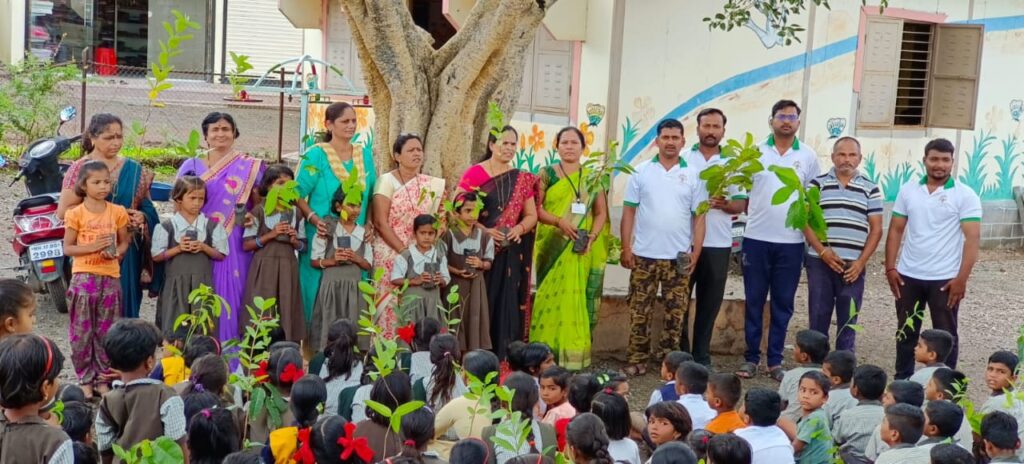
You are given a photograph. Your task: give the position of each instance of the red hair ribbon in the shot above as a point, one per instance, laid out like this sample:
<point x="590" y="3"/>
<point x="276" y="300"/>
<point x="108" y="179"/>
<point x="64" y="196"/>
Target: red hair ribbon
<point x="410" y="443"/>
<point x="304" y="455"/>
<point x="261" y="372"/>
<point x="350" y="444"/>
<point x="608" y="391"/>
<point x="49" y="357"/>
<point x="291" y="374"/>
<point x="406" y="333"/>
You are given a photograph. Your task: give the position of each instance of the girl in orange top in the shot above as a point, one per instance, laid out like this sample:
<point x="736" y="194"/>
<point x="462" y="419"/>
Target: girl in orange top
<point x="96" y="235"/>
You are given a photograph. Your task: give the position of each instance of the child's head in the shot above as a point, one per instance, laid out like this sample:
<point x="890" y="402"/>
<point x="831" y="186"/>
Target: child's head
<point x="1001" y="372"/>
<point x="668" y="421"/>
<point x="479" y="364"/>
<point x="339" y="206"/>
<point x="212" y="435"/>
<point x="515" y="355"/>
<point x="470" y="451"/>
<point x="903" y="391"/>
<point x="942" y="419"/>
<point x="425" y="329"/>
<point x="84" y="453"/>
<point x="284" y="367"/>
<point x="999" y="432"/>
<point x="525" y="394"/>
<point x="425" y="230"/>
<point x="444" y="355"/>
<point x="17" y="307"/>
<point x="813" y="390"/>
<point x="69" y="392"/>
<point x="614" y="412"/>
<point x="198" y="401"/>
<point x="340" y="349"/>
<point x="466" y="208"/>
<point x="308" y="395"/>
<point x="131" y="346"/>
<point x="698" y="442"/>
<point x="762" y="407"/>
<point x="554" y="385"/>
<point x="811" y="347"/>
<point x="77" y="421"/>
<point x="839" y="366"/>
<point x="250" y="455"/>
<point x="418" y="430"/>
<point x="948" y="453"/>
<point x="189" y="195"/>
<point x="868" y="382"/>
<point x="618" y="383"/>
<point x="903" y="423"/>
<point x="536" y="357"/>
<point x="275" y="175"/>
<point x="587" y="439"/>
<point x="933" y="346"/>
<point x="29" y="365"/>
<point x="724" y="390"/>
<point x="93" y="181"/>
<point x="582" y="389"/>
<point x="671" y="364"/>
<point x="944" y="384"/>
<point x="324" y="440"/>
<point x="728" y="448"/>
<point x="691" y="378"/>
<point x="199" y="346"/>
<point x="209" y="373"/>
<point x="392" y="390"/>
<point x="673" y="453"/>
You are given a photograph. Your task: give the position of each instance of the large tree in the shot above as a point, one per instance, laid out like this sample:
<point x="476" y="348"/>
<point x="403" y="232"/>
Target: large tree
<point x="442" y="94"/>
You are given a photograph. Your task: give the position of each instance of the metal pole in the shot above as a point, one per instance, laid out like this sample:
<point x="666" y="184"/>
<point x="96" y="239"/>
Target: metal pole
<point x="280" y="119"/>
<point x="85" y="77"/>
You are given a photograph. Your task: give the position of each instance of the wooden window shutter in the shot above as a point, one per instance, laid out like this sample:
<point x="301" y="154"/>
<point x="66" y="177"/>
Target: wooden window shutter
<point x="879" y="71"/>
<point x="553" y="72"/>
<point x="953" y="98"/>
<point x="341" y="51"/>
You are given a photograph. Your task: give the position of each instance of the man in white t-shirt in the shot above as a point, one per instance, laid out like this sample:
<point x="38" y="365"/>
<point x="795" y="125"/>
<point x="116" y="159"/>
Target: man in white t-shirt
<point x="661" y="243"/>
<point x="938" y="222"/>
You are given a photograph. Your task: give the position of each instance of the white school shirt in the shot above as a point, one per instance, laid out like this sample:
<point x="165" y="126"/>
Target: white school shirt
<point x="933" y="242"/>
<point x="770" y="445"/>
<point x="179" y="224"/>
<point x="418" y="260"/>
<point x="472" y="242"/>
<point x="767" y="222"/>
<point x="358" y="235"/>
<point x="718" y="228"/>
<point x="700" y="412"/>
<point x="624" y="450"/>
<point x="272" y="220"/>
<point x="665" y="201"/>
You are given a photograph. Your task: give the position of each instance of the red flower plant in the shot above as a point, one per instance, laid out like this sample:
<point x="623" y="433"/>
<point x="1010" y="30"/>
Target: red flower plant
<point x="350" y="444"/>
<point x="304" y="455"/>
<point x="407" y="333"/>
<point x="291" y="374"/>
<point x="261" y="373"/>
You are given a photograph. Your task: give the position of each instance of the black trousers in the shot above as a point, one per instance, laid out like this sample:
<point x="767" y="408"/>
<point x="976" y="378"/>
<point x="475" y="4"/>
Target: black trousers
<point x="920" y="293"/>
<point x="708" y="282"/>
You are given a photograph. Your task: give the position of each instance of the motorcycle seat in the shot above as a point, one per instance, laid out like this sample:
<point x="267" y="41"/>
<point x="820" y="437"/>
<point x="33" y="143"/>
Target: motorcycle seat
<point x="36" y="201"/>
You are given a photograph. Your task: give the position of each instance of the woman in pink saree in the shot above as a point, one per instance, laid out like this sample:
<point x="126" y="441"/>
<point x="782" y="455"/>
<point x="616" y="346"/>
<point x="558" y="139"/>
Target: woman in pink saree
<point x="400" y="196"/>
<point x="230" y="176"/>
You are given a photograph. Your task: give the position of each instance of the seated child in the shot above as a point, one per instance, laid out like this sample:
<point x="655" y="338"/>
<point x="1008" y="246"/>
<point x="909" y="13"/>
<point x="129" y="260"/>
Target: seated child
<point x="417" y="428"/>
<point x="17" y="308"/>
<point x="941" y="422"/>
<point x="854" y="427"/>
<point x="691" y="383"/>
<point x="213" y="434"/>
<point x="613" y="410"/>
<point x="810" y="351"/>
<point x="669" y="366"/>
<point x="77" y="421"/>
<point x="723" y="394"/>
<point x="999" y="434"/>
<point x="768" y="443"/>
<point x="698" y="442"/>
<point x="948" y="453"/>
<point x="667" y="421"/>
<point x="932" y="349"/>
<point x="901" y="429"/>
<point x="728" y="449"/>
<point x="29" y="365"/>
<point x="308" y="394"/>
<point x="899" y="391"/>
<point x="944" y="385"/>
<point x="444" y="383"/>
<point x="85" y="453"/>
<point x="342" y="367"/>
<point x="1000" y="376"/>
<point x="420" y="366"/>
<point x="554" y="393"/>
<point x="811" y="437"/>
<point x="284" y="368"/>
<point x="838" y="367"/>
<point x="141" y="408"/>
<point x="172" y="368"/>
<point x="582" y="390"/>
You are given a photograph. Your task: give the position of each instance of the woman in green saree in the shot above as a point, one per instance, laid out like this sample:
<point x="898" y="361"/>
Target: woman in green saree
<point x="320" y="172"/>
<point x="568" y="283"/>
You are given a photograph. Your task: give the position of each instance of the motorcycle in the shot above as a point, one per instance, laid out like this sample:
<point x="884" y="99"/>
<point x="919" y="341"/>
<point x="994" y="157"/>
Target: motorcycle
<point x="38" y="232"/>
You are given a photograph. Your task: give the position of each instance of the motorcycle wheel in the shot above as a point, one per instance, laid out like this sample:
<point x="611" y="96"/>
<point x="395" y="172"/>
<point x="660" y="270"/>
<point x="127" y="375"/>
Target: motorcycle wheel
<point x="58" y="290"/>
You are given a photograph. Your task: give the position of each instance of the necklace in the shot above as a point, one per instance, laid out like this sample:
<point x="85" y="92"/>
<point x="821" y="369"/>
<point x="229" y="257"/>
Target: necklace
<point x="503" y="190"/>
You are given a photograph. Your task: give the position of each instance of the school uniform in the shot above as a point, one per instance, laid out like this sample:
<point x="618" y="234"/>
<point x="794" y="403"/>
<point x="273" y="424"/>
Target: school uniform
<point x="143" y="409"/>
<point x="666" y="392"/>
<point x="259" y="425"/>
<point x="34" y="440"/>
<point x="904" y="453"/>
<point x="339" y="296"/>
<point x="854" y="428"/>
<point x="338" y="384"/>
<point x="381" y="439"/>
<point x="790" y="386"/>
<point x="420" y="366"/>
<point x="839" y="400"/>
<point x="769" y="445"/>
<point x="700" y="413"/>
<point x="813" y="430"/>
<point x="419" y="302"/>
<point x="924" y="374"/>
<point x="274" y="273"/>
<point x="473" y="310"/>
<point x="184" y="272"/>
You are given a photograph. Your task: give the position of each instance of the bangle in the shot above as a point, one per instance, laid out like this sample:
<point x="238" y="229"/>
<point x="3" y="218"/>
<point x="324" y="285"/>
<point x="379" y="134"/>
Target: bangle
<point x="302" y="246"/>
<point x="258" y="243"/>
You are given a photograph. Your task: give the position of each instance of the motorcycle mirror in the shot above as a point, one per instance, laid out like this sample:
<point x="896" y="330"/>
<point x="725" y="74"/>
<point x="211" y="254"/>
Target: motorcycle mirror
<point x="68" y="113"/>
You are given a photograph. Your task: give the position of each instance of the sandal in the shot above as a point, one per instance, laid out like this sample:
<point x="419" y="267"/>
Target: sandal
<point x="747" y="371"/>
<point x="777" y="373"/>
<point x="634" y="370"/>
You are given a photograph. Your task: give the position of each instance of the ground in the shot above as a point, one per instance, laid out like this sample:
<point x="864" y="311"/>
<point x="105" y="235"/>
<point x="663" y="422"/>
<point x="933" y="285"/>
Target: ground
<point x="990" y="317"/>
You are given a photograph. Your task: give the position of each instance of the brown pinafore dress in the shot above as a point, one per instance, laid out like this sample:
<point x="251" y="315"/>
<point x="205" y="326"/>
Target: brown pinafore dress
<point x="274" y="273"/>
<point x="418" y="302"/>
<point x="183" y="273"/>
<point x="474" y="331"/>
<point x="29" y="441"/>
<point x="339" y="296"/>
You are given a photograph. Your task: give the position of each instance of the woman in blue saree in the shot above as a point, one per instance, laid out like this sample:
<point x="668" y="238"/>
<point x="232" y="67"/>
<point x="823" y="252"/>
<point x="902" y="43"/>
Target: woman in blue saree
<point x="102" y="141"/>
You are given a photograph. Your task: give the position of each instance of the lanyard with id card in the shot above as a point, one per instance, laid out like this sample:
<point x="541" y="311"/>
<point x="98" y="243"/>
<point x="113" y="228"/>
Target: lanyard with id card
<point x="578" y="207"/>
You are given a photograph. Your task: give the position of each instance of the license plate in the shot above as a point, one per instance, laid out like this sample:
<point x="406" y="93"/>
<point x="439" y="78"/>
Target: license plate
<point x="46" y="251"/>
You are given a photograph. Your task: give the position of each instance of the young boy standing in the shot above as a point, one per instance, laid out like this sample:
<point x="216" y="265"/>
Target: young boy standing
<point x="999" y="433"/>
<point x="811" y="436"/>
<point x="855" y="425"/>
<point x="932" y="349"/>
<point x="811" y="349"/>
<point x="901" y="429"/>
<point x="723" y="393"/>
<point x="669" y="366"/>
<point x="767" y="441"/>
<point x="838" y="367"/>
<point x="691" y="383"/>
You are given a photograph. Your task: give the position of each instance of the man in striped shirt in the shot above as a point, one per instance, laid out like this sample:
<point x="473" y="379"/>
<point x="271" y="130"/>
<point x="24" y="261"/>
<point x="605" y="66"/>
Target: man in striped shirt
<point x="835" y="270"/>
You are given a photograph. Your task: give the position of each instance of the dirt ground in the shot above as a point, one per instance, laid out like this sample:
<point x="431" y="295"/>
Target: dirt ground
<point x="990" y="316"/>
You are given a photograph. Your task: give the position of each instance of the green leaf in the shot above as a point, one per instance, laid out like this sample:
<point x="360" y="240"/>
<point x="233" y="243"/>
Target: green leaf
<point x="782" y="195"/>
<point x="408" y="408"/>
<point x="384" y="411"/>
<point x="257" y="401"/>
<point x="787" y="176"/>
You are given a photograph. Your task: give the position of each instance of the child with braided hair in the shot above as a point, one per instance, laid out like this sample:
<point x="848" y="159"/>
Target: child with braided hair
<point x="212" y="435"/>
<point x="587" y="440"/>
<point x="283" y="369"/>
<point x="293" y="439"/>
<point x="418" y="430"/>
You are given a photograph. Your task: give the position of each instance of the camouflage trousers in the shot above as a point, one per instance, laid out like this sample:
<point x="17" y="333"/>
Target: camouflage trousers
<point x="644" y="280"/>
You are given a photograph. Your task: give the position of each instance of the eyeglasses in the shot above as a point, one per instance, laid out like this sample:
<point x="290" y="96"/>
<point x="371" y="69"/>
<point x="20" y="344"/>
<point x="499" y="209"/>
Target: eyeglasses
<point x="787" y="117"/>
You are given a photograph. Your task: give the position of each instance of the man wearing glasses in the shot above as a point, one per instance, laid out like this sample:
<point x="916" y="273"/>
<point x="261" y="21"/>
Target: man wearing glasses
<point x="773" y="253"/>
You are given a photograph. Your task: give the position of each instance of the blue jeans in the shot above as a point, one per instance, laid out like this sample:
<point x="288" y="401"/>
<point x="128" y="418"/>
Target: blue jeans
<point x="826" y="291"/>
<point x="775" y="268"/>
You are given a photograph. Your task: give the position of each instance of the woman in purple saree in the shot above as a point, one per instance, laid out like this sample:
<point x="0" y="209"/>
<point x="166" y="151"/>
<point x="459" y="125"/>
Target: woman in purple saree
<point x="230" y="176"/>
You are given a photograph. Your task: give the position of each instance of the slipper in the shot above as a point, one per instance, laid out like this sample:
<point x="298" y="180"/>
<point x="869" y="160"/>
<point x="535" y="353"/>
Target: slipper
<point x="634" y="370"/>
<point x="777" y="373"/>
<point x="747" y="371"/>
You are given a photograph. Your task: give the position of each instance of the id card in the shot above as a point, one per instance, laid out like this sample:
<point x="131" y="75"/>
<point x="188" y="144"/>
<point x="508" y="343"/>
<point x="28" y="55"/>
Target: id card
<point x="578" y="208"/>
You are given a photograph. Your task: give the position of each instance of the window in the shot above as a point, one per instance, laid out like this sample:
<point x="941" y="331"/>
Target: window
<point x="916" y="74"/>
<point x="547" y="79"/>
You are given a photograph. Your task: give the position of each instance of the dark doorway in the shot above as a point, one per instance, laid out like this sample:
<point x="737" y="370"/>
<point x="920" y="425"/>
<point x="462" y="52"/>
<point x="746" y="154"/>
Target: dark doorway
<point x="122" y="27"/>
<point x="428" y="15"/>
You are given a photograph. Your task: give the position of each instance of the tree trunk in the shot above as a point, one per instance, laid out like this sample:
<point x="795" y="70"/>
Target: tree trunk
<point x="442" y="95"/>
